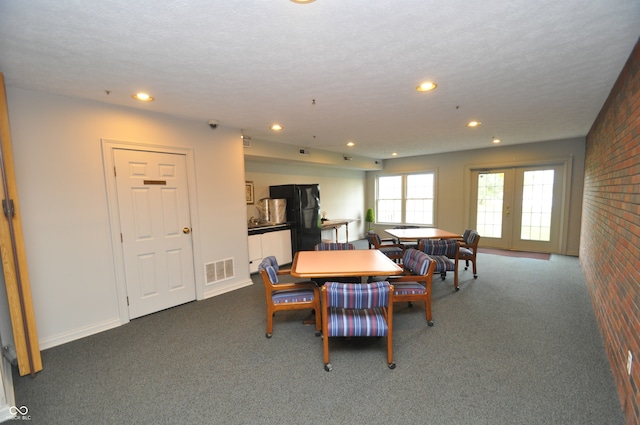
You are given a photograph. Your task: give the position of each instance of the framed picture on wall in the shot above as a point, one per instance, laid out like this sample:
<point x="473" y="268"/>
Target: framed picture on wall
<point x="249" y="192"/>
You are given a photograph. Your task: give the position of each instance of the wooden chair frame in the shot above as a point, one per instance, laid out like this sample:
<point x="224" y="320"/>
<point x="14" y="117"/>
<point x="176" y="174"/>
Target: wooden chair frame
<point x="425" y="280"/>
<point x="388" y="317"/>
<point x="272" y="307"/>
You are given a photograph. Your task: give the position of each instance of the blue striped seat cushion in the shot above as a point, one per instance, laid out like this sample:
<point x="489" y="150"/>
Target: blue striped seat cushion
<point x="466" y="251"/>
<point x="443" y="263"/>
<point x="408" y="288"/>
<point x="393" y="250"/>
<point x="349" y="322"/>
<point x="301" y="296"/>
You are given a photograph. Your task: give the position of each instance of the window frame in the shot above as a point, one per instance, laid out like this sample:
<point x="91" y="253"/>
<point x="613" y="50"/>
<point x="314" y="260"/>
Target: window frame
<point x="404" y="199"/>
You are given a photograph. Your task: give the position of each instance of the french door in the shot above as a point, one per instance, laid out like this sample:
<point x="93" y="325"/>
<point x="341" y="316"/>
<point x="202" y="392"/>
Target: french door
<point x="518" y="208"/>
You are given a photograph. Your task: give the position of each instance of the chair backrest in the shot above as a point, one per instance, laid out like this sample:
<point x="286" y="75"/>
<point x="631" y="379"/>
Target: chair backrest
<point x="357" y="295"/>
<point x="373" y="238"/>
<point x="417" y="262"/>
<point x="472" y="238"/>
<point x="333" y="246"/>
<point x="270" y="266"/>
<point x="465" y="235"/>
<point x="448" y="247"/>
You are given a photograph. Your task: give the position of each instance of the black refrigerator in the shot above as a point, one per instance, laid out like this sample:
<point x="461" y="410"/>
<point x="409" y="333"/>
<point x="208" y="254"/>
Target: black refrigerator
<point x="303" y="213"/>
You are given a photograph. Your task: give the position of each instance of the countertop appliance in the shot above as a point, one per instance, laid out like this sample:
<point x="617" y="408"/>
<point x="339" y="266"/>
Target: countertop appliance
<point x="303" y="212"/>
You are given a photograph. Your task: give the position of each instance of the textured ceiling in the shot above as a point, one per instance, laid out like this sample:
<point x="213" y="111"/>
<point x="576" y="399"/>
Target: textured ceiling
<point x="528" y="70"/>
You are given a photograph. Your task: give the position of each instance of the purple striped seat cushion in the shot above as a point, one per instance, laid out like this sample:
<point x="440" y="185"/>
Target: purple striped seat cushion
<point x="408" y="288"/>
<point x="349" y="322"/>
<point x="300" y="296"/>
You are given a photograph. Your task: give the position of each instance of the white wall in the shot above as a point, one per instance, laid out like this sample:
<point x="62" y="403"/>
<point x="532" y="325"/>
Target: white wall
<point x="453" y="179"/>
<point x="341" y="190"/>
<point x="62" y="193"/>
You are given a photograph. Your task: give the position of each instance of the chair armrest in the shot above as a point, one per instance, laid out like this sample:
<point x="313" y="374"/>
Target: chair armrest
<point x="284" y="271"/>
<point x="407" y="278"/>
<point x="295" y="285"/>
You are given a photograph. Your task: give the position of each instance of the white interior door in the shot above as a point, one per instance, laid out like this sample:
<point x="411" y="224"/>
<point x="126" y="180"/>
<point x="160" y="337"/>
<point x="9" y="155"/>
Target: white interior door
<point x="153" y="203"/>
<point x="518" y="208"/>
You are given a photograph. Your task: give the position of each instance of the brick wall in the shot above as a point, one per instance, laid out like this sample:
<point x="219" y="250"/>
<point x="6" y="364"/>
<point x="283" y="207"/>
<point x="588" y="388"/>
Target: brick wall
<point x="610" y="236"/>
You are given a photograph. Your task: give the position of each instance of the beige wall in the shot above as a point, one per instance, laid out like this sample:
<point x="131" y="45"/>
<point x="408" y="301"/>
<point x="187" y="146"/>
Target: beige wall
<point x="453" y="178"/>
<point x="64" y="203"/>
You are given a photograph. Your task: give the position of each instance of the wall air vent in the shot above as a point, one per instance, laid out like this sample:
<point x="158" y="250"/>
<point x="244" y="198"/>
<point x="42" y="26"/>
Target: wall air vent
<point x="219" y="270"/>
<point x="304" y="152"/>
<point x="246" y="141"/>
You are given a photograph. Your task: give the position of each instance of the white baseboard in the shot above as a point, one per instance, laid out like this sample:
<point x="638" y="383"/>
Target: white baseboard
<point x="79" y="333"/>
<point x="224" y="287"/>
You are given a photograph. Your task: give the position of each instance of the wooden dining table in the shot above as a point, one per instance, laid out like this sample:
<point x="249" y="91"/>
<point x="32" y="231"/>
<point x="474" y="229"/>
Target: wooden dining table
<point x="422" y="233"/>
<point x="349" y="263"/>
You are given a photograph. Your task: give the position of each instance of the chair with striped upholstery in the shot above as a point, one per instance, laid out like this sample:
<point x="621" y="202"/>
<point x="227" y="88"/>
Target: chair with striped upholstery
<point x="287" y="296"/>
<point x="468" y="249"/>
<point x="357" y="310"/>
<point x="395" y="251"/>
<point x="415" y="282"/>
<point x="445" y="254"/>
<point x="334" y="246"/>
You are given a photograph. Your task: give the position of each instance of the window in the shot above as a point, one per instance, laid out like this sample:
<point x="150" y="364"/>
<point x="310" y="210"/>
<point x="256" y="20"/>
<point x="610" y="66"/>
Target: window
<point x="406" y="199"/>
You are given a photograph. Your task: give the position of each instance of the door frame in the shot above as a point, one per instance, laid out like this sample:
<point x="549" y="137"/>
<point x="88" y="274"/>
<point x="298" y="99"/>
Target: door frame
<point x="108" y="148"/>
<point x="567" y="165"/>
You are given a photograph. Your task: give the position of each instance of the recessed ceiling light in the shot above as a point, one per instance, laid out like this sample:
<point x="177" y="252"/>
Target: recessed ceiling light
<point x="276" y="127"/>
<point x="143" y="97"/>
<point x="427" y="86"/>
<point x="303" y="1"/>
<point x="394" y="154"/>
<point x="495" y="141"/>
<point x="350" y="144"/>
<point x="473" y="123"/>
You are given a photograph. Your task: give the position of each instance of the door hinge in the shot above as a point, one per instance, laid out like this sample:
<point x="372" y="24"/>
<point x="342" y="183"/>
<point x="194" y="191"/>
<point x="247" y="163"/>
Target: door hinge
<point x="121" y="239"/>
<point x="127" y="300"/>
<point x="115" y="174"/>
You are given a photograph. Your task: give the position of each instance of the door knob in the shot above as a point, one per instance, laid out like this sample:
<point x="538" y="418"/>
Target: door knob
<point x="186" y="230"/>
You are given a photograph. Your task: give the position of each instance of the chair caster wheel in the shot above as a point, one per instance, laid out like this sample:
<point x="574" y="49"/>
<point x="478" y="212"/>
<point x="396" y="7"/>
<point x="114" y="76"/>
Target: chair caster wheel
<point x="268" y="335"/>
<point x="410" y="304"/>
<point x="475" y="276"/>
<point x="318" y="333"/>
<point x="392" y="365"/>
<point x="430" y="323"/>
<point x="328" y="367"/>
<point x="457" y="289"/>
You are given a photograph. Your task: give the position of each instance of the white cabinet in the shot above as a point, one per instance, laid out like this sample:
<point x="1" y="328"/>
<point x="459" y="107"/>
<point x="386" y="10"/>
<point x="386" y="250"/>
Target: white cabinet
<point x="276" y="243"/>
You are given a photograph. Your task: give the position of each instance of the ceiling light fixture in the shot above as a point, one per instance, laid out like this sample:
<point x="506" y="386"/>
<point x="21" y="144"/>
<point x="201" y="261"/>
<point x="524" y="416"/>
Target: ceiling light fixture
<point x="143" y="97"/>
<point x="394" y="154"/>
<point x="427" y="86"/>
<point x="303" y="1"/>
<point x="495" y="141"/>
<point x="350" y="144"/>
<point x="276" y="127"/>
<point x="473" y="123"/>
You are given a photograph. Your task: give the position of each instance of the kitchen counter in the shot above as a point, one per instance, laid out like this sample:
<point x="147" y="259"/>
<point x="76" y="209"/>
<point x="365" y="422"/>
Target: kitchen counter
<point x="259" y="229"/>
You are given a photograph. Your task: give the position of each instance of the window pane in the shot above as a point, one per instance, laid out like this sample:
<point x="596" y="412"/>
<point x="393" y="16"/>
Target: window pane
<point x="420" y="211"/>
<point x="420" y="186"/>
<point x="489" y="214"/>
<point x="390" y="187"/>
<point x="406" y="199"/>
<point x="389" y="211"/>
<point x="537" y="199"/>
